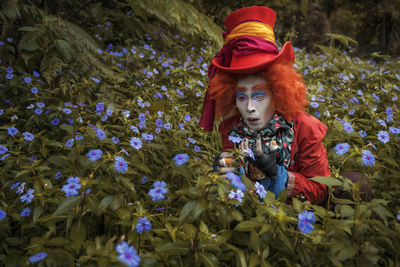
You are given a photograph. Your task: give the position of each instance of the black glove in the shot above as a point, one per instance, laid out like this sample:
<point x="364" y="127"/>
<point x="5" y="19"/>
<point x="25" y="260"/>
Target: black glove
<point x="266" y="162"/>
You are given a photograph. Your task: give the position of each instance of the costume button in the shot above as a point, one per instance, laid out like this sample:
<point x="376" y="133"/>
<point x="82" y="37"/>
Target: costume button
<point x="292" y="162"/>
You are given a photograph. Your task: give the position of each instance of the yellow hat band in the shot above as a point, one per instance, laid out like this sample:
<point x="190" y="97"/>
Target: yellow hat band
<point x="252" y="28"/>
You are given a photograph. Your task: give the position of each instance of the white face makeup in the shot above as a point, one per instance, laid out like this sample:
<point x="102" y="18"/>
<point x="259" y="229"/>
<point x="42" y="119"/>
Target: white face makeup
<point x="254" y="101"/>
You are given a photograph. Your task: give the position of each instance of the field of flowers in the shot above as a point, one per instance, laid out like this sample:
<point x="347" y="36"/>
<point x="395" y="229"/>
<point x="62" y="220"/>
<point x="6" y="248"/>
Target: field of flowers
<point x="115" y="170"/>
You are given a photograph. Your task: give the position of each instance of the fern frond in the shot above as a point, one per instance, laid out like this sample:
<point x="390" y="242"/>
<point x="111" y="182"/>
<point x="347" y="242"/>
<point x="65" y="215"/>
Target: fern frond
<point x="181" y="15"/>
<point x="10" y="14"/>
<point x="50" y="65"/>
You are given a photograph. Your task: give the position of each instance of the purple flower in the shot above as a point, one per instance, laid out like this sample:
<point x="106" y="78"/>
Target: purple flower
<point x="27" y="79"/>
<point x="147" y="137"/>
<point x="40" y="105"/>
<point x="142" y="117"/>
<point x="94" y="154"/>
<point x="12" y="131"/>
<point x="38" y="257"/>
<point x="69" y="143"/>
<point x="55" y="121"/>
<point x="158" y="190"/>
<point x="3" y="214"/>
<point x="342" y="148"/>
<point x="35" y="73"/>
<point x="25" y="212"/>
<point x="143" y="225"/>
<point x="238" y="195"/>
<point x="20" y="188"/>
<point x="100" y="134"/>
<point x="376" y="97"/>
<point x="383" y="136"/>
<point x="109" y="112"/>
<point x="9" y="76"/>
<point x="167" y="126"/>
<point x="181" y="159"/>
<point x="347" y="127"/>
<point x="305" y="219"/>
<point x="191" y="140"/>
<point x="381" y="122"/>
<point x="196" y="148"/>
<point x="120" y="165"/>
<point x="99" y="107"/>
<point x="28" y="136"/>
<point x="95" y="80"/>
<point x="159" y="122"/>
<point x="367" y="158"/>
<point x="3" y="149"/>
<point x="362" y="133"/>
<point x="71" y="188"/>
<point x="144" y="179"/>
<point x="187" y="117"/>
<point x="136" y="143"/>
<point x="34" y="90"/>
<point x="14" y="185"/>
<point x="260" y="190"/>
<point x="67" y="111"/>
<point x="126" y="113"/>
<point x="314" y="104"/>
<point x="38" y="111"/>
<point x="394" y="130"/>
<point x="236" y="181"/>
<point x="58" y="175"/>
<point x="235" y="139"/>
<point x="127" y="254"/>
<point x="28" y="196"/>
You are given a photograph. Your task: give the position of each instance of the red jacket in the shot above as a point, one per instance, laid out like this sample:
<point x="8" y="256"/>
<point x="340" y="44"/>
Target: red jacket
<point x="308" y="156"/>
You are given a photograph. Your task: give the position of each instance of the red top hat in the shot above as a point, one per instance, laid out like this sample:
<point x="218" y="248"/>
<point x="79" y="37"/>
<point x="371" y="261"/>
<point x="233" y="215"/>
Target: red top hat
<point x="250" y="54"/>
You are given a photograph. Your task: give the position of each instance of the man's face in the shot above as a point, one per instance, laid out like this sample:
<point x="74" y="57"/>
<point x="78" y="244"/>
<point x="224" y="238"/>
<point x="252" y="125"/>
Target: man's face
<point x="254" y="101"/>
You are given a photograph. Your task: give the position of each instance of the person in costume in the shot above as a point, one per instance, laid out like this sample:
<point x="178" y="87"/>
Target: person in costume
<point x="261" y="100"/>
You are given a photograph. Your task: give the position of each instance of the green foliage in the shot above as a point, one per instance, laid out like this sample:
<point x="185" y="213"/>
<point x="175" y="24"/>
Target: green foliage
<point x="197" y="223"/>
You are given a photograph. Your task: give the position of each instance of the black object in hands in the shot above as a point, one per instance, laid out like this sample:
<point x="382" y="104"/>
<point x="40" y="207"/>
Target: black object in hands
<point x="266" y="162"/>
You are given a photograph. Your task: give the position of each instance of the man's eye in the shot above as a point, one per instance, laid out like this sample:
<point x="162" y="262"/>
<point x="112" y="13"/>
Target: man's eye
<point x="259" y="97"/>
<point x="241" y="97"/>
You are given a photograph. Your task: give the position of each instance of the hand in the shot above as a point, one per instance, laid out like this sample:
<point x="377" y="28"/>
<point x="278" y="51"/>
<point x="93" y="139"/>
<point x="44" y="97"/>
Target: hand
<point x="226" y="163"/>
<point x="244" y="147"/>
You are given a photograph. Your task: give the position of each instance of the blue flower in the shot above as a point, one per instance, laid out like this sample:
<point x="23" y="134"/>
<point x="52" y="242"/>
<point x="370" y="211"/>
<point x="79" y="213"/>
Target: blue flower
<point x="14" y="185"/>
<point x="158" y="190"/>
<point x="38" y="257"/>
<point x="94" y="154"/>
<point x="28" y="136"/>
<point x="34" y="90"/>
<point x="67" y="111"/>
<point x="126" y="113"/>
<point x="260" y="190"/>
<point x="27" y="79"/>
<point x="28" y="196"/>
<point x="71" y="188"/>
<point x="167" y="126"/>
<point x="236" y="181"/>
<point x="127" y="254"/>
<point x="362" y="133"/>
<point x="40" y="105"/>
<point x="187" y="117"/>
<point x="3" y="214"/>
<point x="38" y="111"/>
<point x="136" y="142"/>
<point x="95" y="80"/>
<point x="142" y="117"/>
<point x="181" y="159"/>
<point x="381" y="122"/>
<point x="20" y="188"/>
<point x="109" y="112"/>
<point x="191" y="140"/>
<point x="347" y="127"/>
<point x="9" y="76"/>
<point x="394" y="130"/>
<point x="250" y="152"/>
<point x="120" y="165"/>
<point x="100" y="134"/>
<point x="55" y="121"/>
<point x="238" y="195"/>
<point x="196" y="148"/>
<point x="58" y="175"/>
<point x="115" y="140"/>
<point x="99" y="107"/>
<point x="3" y="149"/>
<point x="144" y="179"/>
<point x="69" y="143"/>
<point x="25" y="212"/>
<point x="342" y="148"/>
<point x="314" y="104"/>
<point x="159" y="123"/>
<point x="12" y="131"/>
<point x="147" y="137"/>
<point x="235" y="139"/>
<point x="376" y="97"/>
<point x="305" y="219"/>
<point x="143" y="225"/>
<point x="398" y="216"/>
<point x="35" y="73"/>
<point x="383" y="136"/>
<point x="367" y="158"/>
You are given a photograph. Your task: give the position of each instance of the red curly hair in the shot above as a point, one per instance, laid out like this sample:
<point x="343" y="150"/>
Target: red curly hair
<point x="285" y="84"/>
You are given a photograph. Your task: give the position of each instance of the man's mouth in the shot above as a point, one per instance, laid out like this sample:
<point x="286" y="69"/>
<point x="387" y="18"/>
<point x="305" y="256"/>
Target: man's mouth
<point x="252" y="120"/>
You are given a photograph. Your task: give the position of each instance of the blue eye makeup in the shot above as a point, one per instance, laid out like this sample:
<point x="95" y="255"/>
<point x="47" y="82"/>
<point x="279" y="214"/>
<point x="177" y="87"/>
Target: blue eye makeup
<point x="241" y="96"/>
<point x="258" y="95"/>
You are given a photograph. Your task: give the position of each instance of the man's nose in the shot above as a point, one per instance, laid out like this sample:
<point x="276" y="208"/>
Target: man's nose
<point x="250" y="106"/>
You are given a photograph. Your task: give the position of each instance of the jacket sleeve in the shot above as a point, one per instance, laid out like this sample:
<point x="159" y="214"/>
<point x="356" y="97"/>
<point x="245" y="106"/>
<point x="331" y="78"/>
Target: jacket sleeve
<point x="310" y="160"/>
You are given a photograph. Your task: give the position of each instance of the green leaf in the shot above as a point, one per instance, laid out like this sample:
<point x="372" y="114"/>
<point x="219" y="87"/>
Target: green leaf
<point x="186" y="210"/>
<point x="329" y="181"/>
<point x="247" y="226"/>
<point x="173" y="248"/>
<point x="208" y="259"/>
<point x="78" y="234"/>
<point x="106" y="202"/>
<point x="67" y="206"/>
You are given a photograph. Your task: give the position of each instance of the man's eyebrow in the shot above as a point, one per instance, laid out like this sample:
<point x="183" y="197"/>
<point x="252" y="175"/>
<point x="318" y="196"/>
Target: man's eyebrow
<point x="240" y="88"/>
<point x="262" y="86"/>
